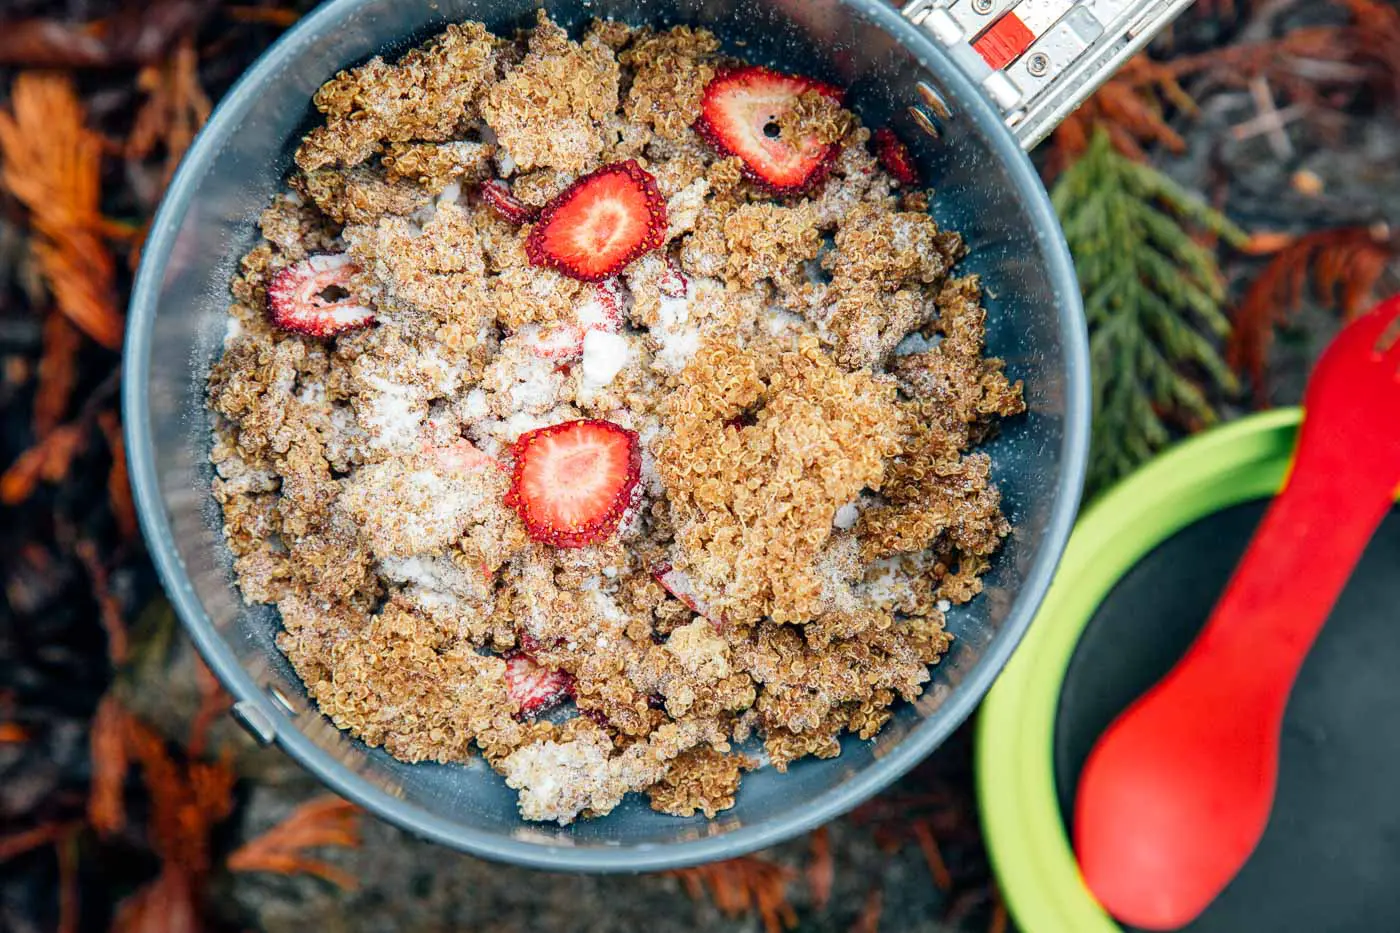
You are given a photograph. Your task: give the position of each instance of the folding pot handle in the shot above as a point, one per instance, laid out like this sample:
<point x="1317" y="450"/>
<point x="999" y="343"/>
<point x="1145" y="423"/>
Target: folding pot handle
<point x="1038" y="60"/>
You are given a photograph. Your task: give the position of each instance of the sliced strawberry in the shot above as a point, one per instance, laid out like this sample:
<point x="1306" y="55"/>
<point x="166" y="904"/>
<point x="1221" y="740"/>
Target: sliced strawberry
<point x="674" y="283"/>
<point x="604" y="312"/>
<point x="573" y="481"/>
<point x="895" y="156"/>
<point x="464" y="457"/>
<point x="553" y="341"/>
<point x="678" y="584"/>
<point x="534" y="687"/>
<point x="603" y="222"/>
<point x="311" y="297"/>
<point x="511" y="209"/>
<point x="739" y="116"/>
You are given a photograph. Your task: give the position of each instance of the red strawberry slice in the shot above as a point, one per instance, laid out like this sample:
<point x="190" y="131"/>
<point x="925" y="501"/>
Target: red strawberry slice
<point x="895" y="156"/>
<point x="311" y="297"/>
<point x="674" y="283"/>
<point x="739" y="116"/>
<point x="553" y="342"/>
<point x="678" y="584"/>
<point x="603" y="222"/>
<point x="534" y="687"/>
<point x="507" y="206"/>
<point x="573" y="481"/>
<point x="605" y="312"/>
<point x="464" y="457"/>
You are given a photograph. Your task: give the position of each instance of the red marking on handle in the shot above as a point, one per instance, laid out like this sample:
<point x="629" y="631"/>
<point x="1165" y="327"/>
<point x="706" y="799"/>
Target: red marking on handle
<point x="1004" y="42"/>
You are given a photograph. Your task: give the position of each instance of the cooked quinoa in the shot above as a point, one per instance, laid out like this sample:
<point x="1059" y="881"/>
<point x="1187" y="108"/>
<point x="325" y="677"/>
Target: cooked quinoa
<point x="806" y="379"/>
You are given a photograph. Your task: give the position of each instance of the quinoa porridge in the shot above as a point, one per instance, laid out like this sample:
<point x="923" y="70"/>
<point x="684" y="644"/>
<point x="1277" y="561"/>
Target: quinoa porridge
<point x="612" y="379"/>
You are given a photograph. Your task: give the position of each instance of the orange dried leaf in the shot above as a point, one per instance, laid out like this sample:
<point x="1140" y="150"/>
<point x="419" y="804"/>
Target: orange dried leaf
<point x="821" y="871"/>
<point x="118" y="482"/>
<point x="12" y="733"/>
<point x="263" y="15"/>
<point x="324" y="821"/>
<point x="52" y="164"/>
<point x="30" y="839"/>
<point x="743" y="885"/>
<point x="109" y="608"/>
<point x="166" y="905"/>
<point x="107" y="743"/>
<point x="869" y="919"/>
<point x="933" y="855"/>
<point x="47" y="460"/>
<point x="1344" y="266"/>
<point x="174" y="109"/>
<point x="58" y="374"/>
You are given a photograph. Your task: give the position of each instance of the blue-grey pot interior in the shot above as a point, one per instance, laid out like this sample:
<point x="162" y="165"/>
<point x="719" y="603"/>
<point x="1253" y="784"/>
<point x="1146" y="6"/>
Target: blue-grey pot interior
<point x="986" y="189"/>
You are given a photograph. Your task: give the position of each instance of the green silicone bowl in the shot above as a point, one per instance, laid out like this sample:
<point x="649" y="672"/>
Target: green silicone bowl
<point x="1025" y="834"/>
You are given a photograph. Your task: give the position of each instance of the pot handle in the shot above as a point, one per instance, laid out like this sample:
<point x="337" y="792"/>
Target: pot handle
<point x="1038" y="60"/>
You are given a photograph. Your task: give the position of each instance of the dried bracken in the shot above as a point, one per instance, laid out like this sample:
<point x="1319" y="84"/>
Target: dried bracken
<point x="745" y="885"/>
<point x="53" y="164"/>
<point x="322" y="822"/>
<point x="1343" y="266"/>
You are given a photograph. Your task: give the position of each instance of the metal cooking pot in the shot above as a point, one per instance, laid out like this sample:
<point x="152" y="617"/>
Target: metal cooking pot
<point x="967" y="124"/>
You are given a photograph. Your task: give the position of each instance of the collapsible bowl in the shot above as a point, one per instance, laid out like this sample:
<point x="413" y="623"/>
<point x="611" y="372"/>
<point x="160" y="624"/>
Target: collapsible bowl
<point x="1143" y="569"/>
<point x="914" y="70"/>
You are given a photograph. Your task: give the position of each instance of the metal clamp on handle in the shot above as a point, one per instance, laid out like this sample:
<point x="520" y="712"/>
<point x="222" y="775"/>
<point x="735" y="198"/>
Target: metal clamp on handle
<point x="1040" y="59"/>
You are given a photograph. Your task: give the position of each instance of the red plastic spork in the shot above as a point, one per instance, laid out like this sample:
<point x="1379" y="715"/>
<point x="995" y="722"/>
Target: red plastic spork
<point x="1176" y="794"/>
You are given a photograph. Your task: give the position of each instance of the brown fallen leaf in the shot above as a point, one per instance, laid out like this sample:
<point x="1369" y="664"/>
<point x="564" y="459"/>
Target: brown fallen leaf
<point x="742" y="885"/>
<point x="106" y="809"/>
<point x="324" y="821"/>
<point x="1343" y="266"/>
<point x="53" y="165"/>
<point x="139" y="33"/>
<point x="58" y="373"/>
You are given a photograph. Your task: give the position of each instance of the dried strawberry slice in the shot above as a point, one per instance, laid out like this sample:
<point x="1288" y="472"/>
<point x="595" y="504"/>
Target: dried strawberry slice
<point x="533" y="687"/>
<point x="678" y="584"/>
<point x="464" y="457"/>
<point x="553" y="342"/>
<point x="572" y="482"/>
<point x="895" y="156"/>
<point x="739" y="116"/>
<point x="312" y="298"/>
<point x="603" y="222"/>
<point x="507" y="206"/>
<point x="674" y="283"/>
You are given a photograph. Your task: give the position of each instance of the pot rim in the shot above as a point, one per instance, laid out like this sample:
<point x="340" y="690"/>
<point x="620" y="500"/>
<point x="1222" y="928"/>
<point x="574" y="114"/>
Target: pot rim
<point x="1025" y="832"/>
<point x="916" y="745"/>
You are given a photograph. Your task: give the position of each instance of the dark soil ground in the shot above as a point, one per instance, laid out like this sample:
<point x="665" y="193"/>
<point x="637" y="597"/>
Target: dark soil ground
<point x="72" y="574"/>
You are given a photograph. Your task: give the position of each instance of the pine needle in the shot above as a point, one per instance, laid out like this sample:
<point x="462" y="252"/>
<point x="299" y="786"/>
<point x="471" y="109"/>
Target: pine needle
<point x="821" y="871"/>
<point x="52" y="164"/>
<point x="743" y="885"/>
<point x="1153" y="298"/>
<point x="324" y="821"/>
<point x="1343" y="265"/>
